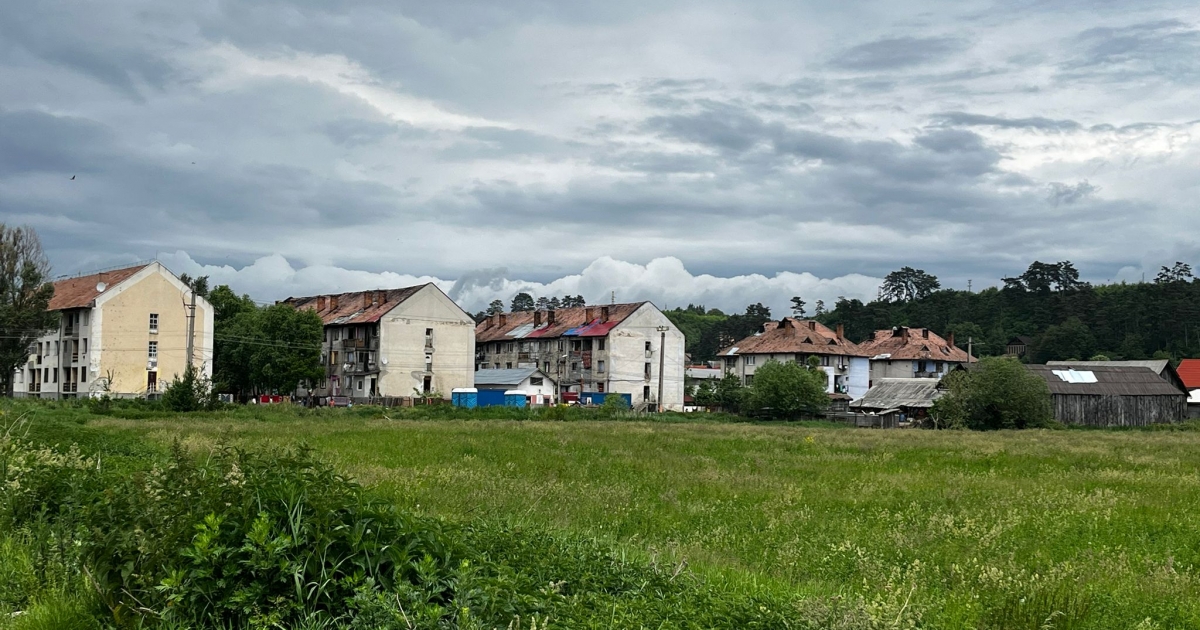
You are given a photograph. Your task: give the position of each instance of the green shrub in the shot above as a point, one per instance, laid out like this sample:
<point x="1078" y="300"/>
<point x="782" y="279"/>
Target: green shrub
<point x="998" y="393"/>
<point x="191" y="392"/>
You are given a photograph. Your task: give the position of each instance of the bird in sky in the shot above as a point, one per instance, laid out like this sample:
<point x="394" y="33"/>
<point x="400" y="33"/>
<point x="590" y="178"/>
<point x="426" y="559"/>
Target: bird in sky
<point x="72" y="178"/>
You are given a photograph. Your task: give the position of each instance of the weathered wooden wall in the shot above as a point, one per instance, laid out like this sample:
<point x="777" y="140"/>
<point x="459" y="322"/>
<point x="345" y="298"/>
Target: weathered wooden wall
<point x="1118" y="411"/>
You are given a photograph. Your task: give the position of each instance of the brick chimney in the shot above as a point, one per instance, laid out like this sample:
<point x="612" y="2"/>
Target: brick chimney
<point x="841" y="331"/>
<point x="537" y="319"/>
<point x="320" y="303"/>
<point x="368" y="299"/>
<point x="503" y="319"/>
<point x="333" y="302"/>
<point x="550" y="317"/>
<point x="589" y="313"/>
<point x="950" y="340"/>
<point x="604" y="313"/>
<point x="381" y="295"/>
<point x="812" y="325"/>
<point x="925" y="333"/>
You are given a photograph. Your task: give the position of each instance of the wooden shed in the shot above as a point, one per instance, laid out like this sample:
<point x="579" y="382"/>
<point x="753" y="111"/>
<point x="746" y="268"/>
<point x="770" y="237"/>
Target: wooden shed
<point x="1112" y="396"/>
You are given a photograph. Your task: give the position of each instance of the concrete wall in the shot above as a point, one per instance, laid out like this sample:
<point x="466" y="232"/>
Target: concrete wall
<point x="627" y="358"/>
<point x="402" y="343"/>
<point x="907" y="368"/>
<point x="120" y="331"/>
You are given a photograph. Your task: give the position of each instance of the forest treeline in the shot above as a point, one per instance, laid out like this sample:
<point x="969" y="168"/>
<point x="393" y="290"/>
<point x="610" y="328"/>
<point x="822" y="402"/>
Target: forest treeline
<point x="1064" y="317"/>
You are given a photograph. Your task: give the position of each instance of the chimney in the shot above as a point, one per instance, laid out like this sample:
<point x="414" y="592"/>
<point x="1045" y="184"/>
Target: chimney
<point x="333" y="302"/>
<point x="381" y="296"/>
<point x="550" y="317"/>
<point x="588" y="313"/>
<point x="368" y="299"/>
<point x="537" y="319"/>
<point x="320" y="303"/>
<point x="812" y="325"/>
<point x="925" y="333"/>
<point x="604" y="313"/>
<point x="841" y="331"/>
<point x="503" y="319"/>
<point x="950" y="340"/>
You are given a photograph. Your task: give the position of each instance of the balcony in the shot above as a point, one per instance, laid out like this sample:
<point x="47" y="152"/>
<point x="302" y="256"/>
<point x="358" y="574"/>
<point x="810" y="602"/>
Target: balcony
<point x="926" y="375"/>
<point x="363" y="368"/>
<point x="361" y="344"/>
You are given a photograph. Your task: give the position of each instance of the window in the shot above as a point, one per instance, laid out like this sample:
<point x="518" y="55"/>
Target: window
<point x="600" y="344"/>
<point x="536" y="381"/>
<point x="749" y="359"/>
<point x="350" y="357"/>
<point x="85" y="346"/>
<point x="561" y="344"/>
<point x="941" y="367"/>
<point x="82" y="375"/>
<point x="646" y="393"/>
<point x="600" y="366"/>
<point x="825" y="359"/>
<point x="647" y="369"/>
<point x="508" y="366"/>
<point x="648" y="348"/>
<point x="333" y="357"/>
<point x="574" y="367"/>
<point x="153" y="322"/>
<point x="84" y="315"/>
<point x="153" y="350"/>
<point x="577" y="345"/>
<point x="428" y="332"/>
<point x="749" y="379"/>
<point x="359" y="385"/>
<point x="497" y="365"/>
<point x="600" y="387"/>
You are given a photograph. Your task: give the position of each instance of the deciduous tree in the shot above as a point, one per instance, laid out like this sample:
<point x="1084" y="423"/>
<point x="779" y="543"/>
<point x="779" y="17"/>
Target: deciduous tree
<point x="998" y="393"/>
<point x="25" y="293"/>
<point x="787" y="390"/>
<point x="908" y="284"/>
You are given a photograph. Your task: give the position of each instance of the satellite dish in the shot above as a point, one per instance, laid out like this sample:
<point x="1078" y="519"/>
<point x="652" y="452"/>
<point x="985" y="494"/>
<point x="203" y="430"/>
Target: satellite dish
<point x="383" y="360"/>
<point x="100" y="287"/>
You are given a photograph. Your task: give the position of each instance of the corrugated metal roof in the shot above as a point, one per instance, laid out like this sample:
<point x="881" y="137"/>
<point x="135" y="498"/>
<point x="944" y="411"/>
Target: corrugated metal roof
<point x="1161" y="367"/>
<point x="513" y="376"/>
<point x="589" y="321"/>
<point x="357" y="307"/>
<point x="903" y="343"/>
<point x="794" y="336"/>
<point x="1111" y="380"/>
<point x="891" y="393"/>
<point x="80" y="292"/>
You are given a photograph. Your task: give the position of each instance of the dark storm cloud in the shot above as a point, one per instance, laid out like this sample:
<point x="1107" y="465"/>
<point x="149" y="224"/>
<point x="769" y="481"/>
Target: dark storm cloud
<point x="899" y="52"/>
<point x="1168" y="49"/>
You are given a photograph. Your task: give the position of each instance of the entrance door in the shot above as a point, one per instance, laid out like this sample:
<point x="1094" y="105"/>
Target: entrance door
<point x="427" y="384"/>
<point x="151" y="382"/>
<point x="374" y="392"/>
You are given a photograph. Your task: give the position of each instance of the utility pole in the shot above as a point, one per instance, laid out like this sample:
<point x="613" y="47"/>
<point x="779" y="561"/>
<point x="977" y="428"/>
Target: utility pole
<point x="191" y="328"/>
<point x="968" y="286"/>
<point x="662" y="357"/>
<point x="970" y="344"/>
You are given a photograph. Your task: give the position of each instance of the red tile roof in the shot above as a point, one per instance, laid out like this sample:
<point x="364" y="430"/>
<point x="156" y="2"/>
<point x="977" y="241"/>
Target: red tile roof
<point x="357" y="307"/>
<point x="1189" y="372"/>
<point x="581" y="321"/>
<point x="791" y="335"/>
<point x="904" y="343"/>
<point x="80" y="292"/>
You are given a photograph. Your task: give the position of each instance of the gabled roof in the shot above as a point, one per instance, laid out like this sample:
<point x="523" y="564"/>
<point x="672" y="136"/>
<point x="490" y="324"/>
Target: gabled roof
<point x="81" y="292"/>
<point x="790" y="335"/>
<point x="357" y="307"/>
<point x="1106" y="380"/>
<point x="1021" y="340"/>
<point x="1161" y="367"/>
<point x="895" y="393"/>
<point x="514" y="376"/>
<point x="580" y="321"/>
<point x="1189" y="373"/>
<point x="903" y="343"/>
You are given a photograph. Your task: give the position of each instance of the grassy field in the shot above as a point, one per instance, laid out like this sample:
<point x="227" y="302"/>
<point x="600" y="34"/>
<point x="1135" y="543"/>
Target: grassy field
<point x="1035" y="529"/>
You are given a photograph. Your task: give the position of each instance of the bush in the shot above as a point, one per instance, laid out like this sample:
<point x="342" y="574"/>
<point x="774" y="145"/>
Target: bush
<point x="193" y="392"/>
<point x="998" y="393"/>
<point x="788" y="390"/>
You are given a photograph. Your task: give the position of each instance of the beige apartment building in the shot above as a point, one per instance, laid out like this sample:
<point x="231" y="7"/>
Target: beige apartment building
<point x="121" y="332"/>
<point x="392" y="343"/>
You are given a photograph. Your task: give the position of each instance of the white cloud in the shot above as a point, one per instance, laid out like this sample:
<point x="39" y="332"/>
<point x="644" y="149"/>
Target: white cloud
<point x="664" y="281"/>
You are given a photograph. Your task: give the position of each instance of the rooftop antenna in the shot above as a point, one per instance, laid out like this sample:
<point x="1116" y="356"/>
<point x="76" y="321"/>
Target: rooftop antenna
<point x="614" y="297"/>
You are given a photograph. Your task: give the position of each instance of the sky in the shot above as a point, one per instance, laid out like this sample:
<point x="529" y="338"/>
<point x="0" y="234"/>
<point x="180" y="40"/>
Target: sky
<point x="720" y="153"/>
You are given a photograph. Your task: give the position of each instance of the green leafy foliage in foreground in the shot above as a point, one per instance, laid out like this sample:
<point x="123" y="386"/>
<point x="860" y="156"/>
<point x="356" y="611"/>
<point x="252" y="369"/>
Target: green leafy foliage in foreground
<point x="997" y="393"/>
<point x="242" y="539"/>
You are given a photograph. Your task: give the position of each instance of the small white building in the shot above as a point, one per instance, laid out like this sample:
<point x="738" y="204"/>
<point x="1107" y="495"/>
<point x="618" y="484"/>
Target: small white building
<point x="540" y="389"/>
<point x="393" y="342"/>
<point x="613" y="348"/>
<point x="846" y="367"/>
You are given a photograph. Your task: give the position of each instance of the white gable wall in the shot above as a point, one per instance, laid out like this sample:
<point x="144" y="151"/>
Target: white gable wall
<point x="402" y="342"/>
<point x="627" y="358"/>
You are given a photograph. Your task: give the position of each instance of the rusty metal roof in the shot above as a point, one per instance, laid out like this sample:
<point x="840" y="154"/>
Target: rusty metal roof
<point x="903" y="343"/>
<point x="357" y="307"/>
<point x="1115" y="380"/>
<point x="81" y="292"/>
<point x="579" y="321"/>
<point x="791" y="335"/>
<point x="894" y="393"/>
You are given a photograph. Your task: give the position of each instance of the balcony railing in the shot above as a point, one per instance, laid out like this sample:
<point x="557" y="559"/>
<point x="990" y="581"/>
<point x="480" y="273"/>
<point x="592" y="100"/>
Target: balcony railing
<point x="361" y="344"/>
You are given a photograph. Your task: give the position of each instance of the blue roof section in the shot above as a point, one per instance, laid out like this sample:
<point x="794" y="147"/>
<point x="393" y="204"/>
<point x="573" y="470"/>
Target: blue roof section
<point x="514" y="376"/>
